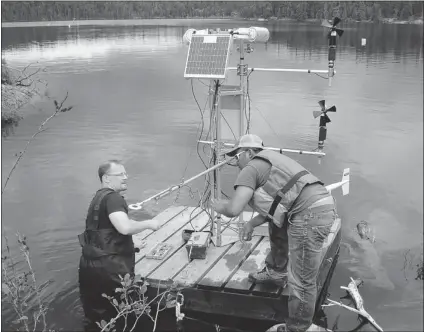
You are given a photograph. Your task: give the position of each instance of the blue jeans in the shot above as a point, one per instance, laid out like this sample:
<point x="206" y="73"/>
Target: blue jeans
<point x="278" y="257"/>
<point x="306" y="234"/>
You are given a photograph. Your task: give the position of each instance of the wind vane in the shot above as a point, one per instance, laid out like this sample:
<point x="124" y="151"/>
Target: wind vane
<point x="324" y="119"/>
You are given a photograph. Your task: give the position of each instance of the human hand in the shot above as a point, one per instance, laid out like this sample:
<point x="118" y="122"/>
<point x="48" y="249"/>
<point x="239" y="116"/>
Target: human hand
<point x="154" y="225"/>
<point x="247" y="231"/>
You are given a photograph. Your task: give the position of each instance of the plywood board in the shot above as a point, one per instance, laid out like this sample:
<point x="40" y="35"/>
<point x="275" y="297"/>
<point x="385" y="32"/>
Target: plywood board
<point x="239" y="281"/>
<point x="166" y="231"/>
<point x="180" y="260"/>
<point x="163" y="217"/>
<point x="145" y="266"/>
<point x="196" y="268"/>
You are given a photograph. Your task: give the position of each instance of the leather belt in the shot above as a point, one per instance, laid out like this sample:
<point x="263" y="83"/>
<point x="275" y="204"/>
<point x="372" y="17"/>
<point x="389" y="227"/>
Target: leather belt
<point x="323" y="205"/>
<point x="329" y="200"/>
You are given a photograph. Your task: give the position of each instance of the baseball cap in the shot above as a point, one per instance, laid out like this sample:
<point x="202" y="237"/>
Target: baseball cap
<point x="246" y="141"/>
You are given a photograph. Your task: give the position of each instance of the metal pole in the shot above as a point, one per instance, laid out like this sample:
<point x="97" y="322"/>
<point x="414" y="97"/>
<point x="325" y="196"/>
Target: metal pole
<point x="275" y="149"/>
<point x="285" y="70"/>
<point x="242" y="113"/>
<point x="163" y="193"/>
<point x="242" y="89"/>
<point x="217" y="155"/>
<point x="211" y="91"/>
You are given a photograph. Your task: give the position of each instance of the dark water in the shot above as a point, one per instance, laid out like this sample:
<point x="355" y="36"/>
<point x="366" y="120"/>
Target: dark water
<point x="132" y="103"/>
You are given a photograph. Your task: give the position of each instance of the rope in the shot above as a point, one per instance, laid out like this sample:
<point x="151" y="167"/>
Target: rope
<point x="251" y="102"/>
<point x="263" y="117"/>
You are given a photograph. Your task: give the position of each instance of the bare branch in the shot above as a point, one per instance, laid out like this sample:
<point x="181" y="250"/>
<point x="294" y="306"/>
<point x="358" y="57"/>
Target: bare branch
<point x="353" y="291"/>
<point x="40" y="129"/>
<point x="24" y="76"/>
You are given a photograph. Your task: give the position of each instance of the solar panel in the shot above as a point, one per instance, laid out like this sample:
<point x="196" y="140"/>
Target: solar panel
<point x="208" y="56"/>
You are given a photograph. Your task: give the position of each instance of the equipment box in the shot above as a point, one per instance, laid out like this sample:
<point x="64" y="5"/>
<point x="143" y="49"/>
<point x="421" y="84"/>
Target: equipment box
<point x="197" y="245"/>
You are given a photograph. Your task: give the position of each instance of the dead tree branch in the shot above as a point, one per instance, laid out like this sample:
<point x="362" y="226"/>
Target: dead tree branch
<point x="353" y="291"/>
<point x="59" y="109"/>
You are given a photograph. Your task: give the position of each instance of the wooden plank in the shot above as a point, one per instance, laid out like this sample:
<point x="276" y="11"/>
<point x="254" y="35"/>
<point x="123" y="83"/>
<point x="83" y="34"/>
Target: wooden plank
<point x="146" y="266"/>
<point x="180" y="260"/>
<point x="169" y="228"/>
<point x="228" y="264"/>
<point x="163" y="217"/>
<point x="197" y="268"/>
<point x="239" y="281"/>
<point x="230" y="307"/>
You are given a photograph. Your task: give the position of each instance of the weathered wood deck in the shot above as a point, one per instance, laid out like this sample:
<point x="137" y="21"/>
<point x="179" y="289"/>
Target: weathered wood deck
<point x="219" y="284"/>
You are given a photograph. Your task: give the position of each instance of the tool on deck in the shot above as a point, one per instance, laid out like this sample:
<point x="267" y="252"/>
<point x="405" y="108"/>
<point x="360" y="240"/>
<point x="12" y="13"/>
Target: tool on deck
<point x="159" y="251"/>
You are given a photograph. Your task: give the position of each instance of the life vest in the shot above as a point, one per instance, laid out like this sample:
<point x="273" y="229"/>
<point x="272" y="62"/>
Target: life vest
<point x="106" y="248"/>
<point x="286" y="180"/>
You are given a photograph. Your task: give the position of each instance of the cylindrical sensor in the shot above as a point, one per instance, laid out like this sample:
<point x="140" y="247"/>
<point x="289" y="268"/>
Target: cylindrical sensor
<point x="331" y="54"/>
<point x="259" y="34"/>
<point x="322" y="133"/>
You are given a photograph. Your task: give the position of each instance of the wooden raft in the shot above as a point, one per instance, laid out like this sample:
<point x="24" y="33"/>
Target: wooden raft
<point x="218" y="284"/>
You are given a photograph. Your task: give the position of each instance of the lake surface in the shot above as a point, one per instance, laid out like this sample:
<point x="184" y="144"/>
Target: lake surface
<point x="131" y="102"/>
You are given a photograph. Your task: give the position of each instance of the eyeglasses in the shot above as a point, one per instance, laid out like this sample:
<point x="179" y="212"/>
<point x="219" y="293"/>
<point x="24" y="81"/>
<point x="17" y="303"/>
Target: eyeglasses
<point x="118" y="174"/>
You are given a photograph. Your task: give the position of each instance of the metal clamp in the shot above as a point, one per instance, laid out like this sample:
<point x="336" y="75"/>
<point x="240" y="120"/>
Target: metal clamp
<point x="248" y="49"/>
<point x="242" y="70"/>
<point x="178" y="303"/>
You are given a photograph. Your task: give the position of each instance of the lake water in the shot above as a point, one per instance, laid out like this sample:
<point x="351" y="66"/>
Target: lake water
<point x="131" y="102"/>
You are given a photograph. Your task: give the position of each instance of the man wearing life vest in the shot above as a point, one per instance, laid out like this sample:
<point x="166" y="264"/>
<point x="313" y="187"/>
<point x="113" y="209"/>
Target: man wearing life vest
<point x="107" y="246"/>
<point x="299" y="211"/>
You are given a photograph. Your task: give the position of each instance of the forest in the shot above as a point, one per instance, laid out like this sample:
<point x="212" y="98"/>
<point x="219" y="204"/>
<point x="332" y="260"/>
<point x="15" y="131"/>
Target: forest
<point x="374" y="11"/>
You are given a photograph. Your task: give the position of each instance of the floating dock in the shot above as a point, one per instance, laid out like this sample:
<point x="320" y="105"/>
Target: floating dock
<point x="219" y="283"/>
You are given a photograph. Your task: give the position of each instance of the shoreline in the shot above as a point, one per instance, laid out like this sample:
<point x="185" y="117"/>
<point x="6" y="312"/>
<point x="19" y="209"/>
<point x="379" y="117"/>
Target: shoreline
<point x="14" y="99"/>
<point x="418" y="21"/>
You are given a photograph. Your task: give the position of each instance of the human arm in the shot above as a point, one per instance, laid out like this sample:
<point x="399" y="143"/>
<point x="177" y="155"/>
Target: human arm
<point x="127" y="226"/>
<point x="249" y="226"/>
<point x="233" y="207"/>
<point x="116" y="210"/>
<point x="249" y="179"/>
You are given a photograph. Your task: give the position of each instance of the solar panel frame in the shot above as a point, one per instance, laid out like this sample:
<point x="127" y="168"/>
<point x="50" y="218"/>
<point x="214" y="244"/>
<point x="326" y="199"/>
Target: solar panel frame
<point x="207" y="56"/>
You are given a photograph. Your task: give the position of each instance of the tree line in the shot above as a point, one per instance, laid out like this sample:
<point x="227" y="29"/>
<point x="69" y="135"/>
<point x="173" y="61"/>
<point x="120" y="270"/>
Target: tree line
<point x="26" y="11"/>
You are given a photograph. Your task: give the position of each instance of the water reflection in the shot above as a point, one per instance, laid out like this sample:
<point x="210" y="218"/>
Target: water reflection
<point x="91" y="45"/>
<point x="87" y="41"/>
<point x="405" y="41"/>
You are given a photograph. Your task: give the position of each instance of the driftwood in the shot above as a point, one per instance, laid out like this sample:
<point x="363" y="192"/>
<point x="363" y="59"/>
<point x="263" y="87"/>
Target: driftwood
<point x="353" y="291"/>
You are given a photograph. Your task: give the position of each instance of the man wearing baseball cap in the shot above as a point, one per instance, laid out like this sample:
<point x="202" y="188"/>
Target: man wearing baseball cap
<point x="299" y="211"/>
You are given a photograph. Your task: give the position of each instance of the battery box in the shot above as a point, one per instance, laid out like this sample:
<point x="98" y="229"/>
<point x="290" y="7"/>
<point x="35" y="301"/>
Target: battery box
<point x="197" y="244"/>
